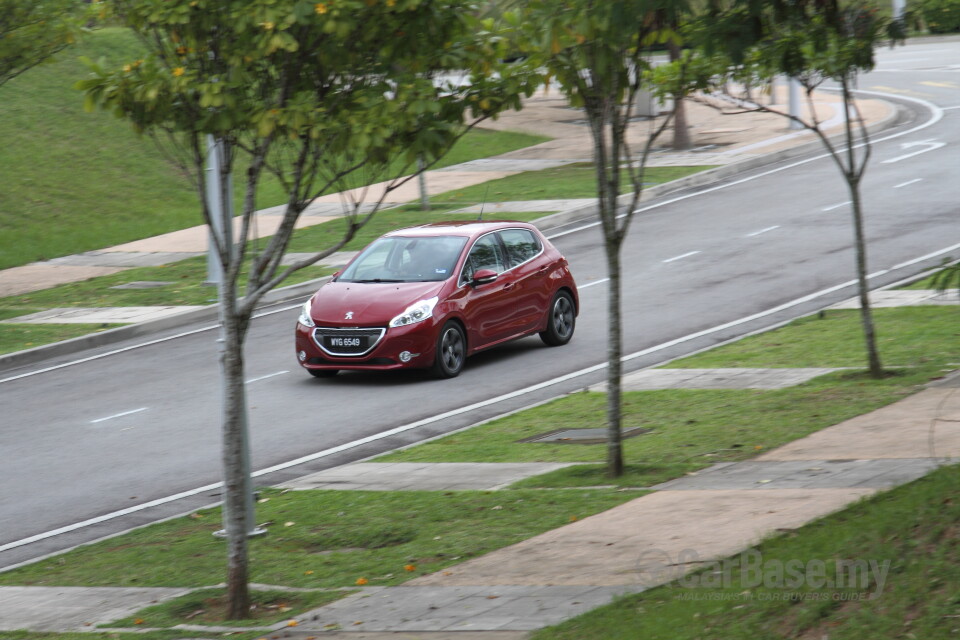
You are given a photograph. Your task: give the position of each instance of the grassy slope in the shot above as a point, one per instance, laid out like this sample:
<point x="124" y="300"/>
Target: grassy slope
<point x="75" y="181"/>
<point x="914" y="528"/>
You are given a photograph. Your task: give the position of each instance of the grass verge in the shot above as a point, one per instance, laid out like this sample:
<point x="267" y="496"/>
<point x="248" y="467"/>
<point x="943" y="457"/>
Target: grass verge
<point x="322" y="539"/>
<point x="911" y="530"/>
<point x="209" y="606"/>
<point x="569" y="181"/>
<point x="691" y="429"/>
<point x="93" y="180"/>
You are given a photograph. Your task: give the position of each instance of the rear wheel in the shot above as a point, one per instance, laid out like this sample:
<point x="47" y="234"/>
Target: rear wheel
<point x="451" y="351"/>
<point x="562" y="320"/>
<point x="323" y="373"/>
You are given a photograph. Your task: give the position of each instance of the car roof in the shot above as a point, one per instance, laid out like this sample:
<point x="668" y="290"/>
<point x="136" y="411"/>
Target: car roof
<point x="458" y="228"/>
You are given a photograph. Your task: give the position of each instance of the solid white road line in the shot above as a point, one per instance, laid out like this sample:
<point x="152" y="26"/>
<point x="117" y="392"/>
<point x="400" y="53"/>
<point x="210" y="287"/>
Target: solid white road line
<point x="118" y="415"/>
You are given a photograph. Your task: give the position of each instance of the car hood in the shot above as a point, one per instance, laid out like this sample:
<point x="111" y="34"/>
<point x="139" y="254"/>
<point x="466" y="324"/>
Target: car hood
<point x="368" y="303"/>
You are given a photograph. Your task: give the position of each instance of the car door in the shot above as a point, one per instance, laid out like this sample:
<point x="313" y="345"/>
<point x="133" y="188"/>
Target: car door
<point x="528" y="273"/>
<point x="487" y="308"/>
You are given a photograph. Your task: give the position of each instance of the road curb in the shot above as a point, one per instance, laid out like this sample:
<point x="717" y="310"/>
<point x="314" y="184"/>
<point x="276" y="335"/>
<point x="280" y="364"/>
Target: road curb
<point x="302" y="290"/>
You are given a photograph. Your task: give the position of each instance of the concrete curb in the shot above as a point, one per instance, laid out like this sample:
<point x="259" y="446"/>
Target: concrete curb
<point x="303" y="289"/>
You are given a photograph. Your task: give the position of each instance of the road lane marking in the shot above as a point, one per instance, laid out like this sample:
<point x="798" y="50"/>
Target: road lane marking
<point x="269" y="375"/>
<point x="590" y="284"/>
<point x="929" y="145"/>
<point x="762" y="231"/>
<point x="119" y="415"/>
<point x="907" y="183"/>
<point x="837" y="206"/>
<point x="942" y="85"/>
<point x="456" y="412"/>
<point x="681" y="257"/>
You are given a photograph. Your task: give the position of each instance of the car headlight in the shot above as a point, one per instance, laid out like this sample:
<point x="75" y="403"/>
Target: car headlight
<point x="417" y="312"/>
<point x="305" y="318"/>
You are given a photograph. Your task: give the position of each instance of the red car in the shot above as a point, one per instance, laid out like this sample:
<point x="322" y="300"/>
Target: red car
<point x="429" y="296"/>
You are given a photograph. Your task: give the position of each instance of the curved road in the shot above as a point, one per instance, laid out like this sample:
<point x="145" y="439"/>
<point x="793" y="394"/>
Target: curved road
<point x="102" y="441"/>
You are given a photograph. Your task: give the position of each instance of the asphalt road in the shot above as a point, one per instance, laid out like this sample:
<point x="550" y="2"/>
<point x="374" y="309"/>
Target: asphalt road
<point x="105" y="438"/>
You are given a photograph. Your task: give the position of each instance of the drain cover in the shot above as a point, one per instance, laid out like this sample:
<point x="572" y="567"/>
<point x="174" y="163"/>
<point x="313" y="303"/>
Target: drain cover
<point x="142" y="284"/>
<point x="583" y="436"/>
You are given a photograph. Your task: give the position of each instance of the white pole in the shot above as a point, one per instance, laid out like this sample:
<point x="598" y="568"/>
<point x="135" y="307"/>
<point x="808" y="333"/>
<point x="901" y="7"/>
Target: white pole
<point x="794" y="102"/>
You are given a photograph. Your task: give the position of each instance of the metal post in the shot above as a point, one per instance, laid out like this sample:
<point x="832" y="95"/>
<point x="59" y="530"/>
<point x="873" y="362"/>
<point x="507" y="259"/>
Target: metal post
<point x="794" y="102"/>
<point x="221" y="209"/>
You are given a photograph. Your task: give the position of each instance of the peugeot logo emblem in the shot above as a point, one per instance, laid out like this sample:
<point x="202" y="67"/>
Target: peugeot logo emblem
<point x="349" y="315"/>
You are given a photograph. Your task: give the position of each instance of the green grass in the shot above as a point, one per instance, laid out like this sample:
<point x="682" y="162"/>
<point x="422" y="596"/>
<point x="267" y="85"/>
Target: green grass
<point x="325" y="539"/>
<point x="688" y="427"/>
<point x="209" y="606"/>
<point x="85" y="181"/>
<point x="569" y="181"/>
<point x="906" y="336"/>
<point x="913" y="527"/>
<point x="700" y="427"/>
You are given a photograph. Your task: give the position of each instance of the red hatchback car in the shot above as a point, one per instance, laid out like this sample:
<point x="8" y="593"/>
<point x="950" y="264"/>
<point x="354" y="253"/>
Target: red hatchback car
<point x="429" y="296"/>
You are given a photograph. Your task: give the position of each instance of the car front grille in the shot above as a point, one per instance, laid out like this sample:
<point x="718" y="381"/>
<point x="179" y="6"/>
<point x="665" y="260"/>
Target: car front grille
<point x="348" y="342"/>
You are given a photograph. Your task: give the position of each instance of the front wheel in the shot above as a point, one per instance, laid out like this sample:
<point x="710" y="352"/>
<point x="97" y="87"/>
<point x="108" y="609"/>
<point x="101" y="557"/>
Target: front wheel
<point x="451" y="351"/>
<point x="561" y="322"/>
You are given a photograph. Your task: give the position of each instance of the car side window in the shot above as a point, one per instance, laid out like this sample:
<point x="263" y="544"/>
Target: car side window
<point x="485" y="254"/>
<point x="521" y="244"/>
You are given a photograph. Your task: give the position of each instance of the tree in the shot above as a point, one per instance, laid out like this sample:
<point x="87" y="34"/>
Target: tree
<point x="32" y="31"/>
<point x="812" y="42"/>
<point x="598" y="52"/>
<point x="313" y="93"/>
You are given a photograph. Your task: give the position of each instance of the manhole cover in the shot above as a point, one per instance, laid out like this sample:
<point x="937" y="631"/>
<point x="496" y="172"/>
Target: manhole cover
<point x="142" y="284"/>
<point x="583" y="436"/>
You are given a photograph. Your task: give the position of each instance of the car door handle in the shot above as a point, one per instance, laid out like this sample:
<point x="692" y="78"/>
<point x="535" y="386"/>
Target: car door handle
<point x="508" y="286"/>
<point x="543" y="271"/>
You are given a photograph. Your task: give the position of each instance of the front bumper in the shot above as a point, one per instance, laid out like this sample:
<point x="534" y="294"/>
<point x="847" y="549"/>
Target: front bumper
<point x="418" y="340"/>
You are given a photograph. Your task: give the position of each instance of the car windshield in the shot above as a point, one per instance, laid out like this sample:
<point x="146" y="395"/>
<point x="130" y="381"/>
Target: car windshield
<point x="402" y="259"/>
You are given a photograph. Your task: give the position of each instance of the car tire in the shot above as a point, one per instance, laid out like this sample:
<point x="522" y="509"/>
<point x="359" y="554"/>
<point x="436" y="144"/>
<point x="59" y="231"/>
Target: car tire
<point x="451" y="351"/>
<point x="561" y="320"/>
<point x="323" y="373"/>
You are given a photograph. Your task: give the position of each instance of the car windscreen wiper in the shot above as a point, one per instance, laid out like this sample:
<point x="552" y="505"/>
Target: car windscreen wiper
<point x="377" y="280"/>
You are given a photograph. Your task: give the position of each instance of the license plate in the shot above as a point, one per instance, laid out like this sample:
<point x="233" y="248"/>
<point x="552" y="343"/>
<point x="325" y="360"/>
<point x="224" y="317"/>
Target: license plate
<point x="345" y="342"/>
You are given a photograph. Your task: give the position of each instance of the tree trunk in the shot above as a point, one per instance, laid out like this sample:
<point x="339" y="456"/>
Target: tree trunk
<point x="853" y="174"/>
<point x="237" y="491"/>
<point x="681" y="131"/>
<point x="614" y="365"/>
<point x="866" y="315"/>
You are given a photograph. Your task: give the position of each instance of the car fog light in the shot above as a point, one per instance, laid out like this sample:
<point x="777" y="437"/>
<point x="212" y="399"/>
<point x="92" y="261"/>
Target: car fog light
<point x="406" y="356"/>
<point x="302" y="355"/>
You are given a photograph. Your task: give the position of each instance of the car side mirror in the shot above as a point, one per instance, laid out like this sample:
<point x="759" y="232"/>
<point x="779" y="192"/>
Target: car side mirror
<point x="483" y="276"/>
